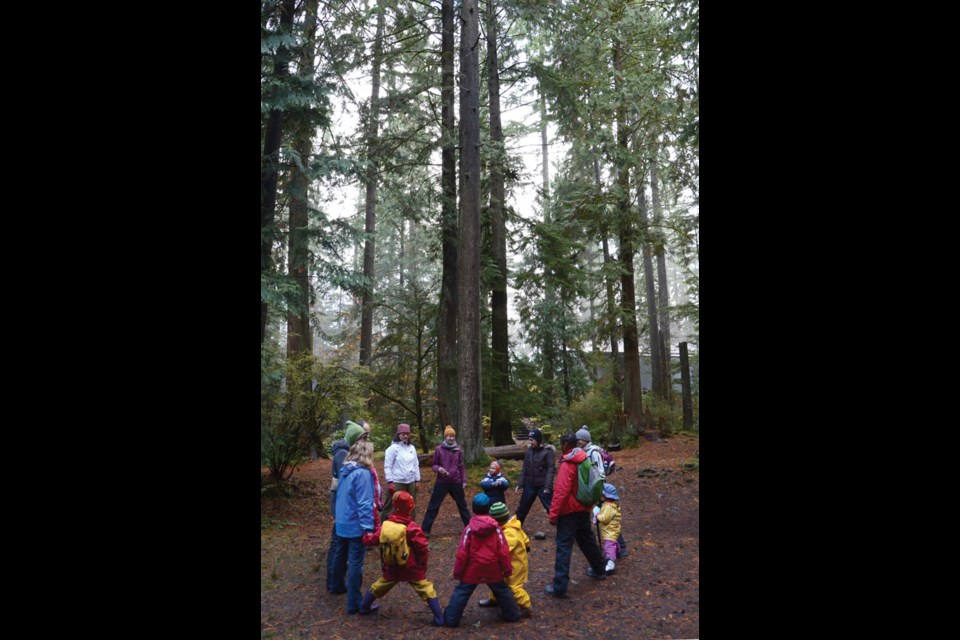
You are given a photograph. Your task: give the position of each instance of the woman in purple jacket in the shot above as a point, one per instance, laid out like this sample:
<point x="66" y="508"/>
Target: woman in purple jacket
<point x="451" y="478"/>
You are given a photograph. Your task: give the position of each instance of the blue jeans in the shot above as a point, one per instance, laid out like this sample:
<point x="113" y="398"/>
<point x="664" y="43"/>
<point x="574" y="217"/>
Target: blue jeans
<point x="352" y="552"/>
<point x="570" y="527"/>
<point x="463" y="591"/>
<point x="440" y="491"/>
<point x="530" y="494"/>
<point x="336" y="563"/>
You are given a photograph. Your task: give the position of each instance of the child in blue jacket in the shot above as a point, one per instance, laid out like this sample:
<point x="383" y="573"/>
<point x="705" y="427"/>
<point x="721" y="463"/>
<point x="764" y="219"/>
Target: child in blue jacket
<point x="493" y="484"/>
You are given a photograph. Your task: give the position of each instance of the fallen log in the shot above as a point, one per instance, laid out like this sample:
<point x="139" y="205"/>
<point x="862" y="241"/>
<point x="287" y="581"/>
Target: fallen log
<point x="506" y="452"/>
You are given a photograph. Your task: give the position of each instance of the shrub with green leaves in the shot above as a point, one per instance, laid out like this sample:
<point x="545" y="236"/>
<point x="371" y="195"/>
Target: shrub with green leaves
<point x="596" y="409"/>
<point x="301" y="401"/>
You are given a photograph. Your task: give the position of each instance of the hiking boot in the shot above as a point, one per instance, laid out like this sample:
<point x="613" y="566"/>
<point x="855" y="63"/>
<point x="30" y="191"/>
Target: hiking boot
<point x="611" y="566"/>
<point x="595" y="576"/>
<point x="550" y="592"/>
<point x="487" y="602"/>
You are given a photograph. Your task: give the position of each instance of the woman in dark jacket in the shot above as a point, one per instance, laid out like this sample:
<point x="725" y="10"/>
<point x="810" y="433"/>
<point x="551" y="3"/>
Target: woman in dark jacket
<point x="536" y="477"/>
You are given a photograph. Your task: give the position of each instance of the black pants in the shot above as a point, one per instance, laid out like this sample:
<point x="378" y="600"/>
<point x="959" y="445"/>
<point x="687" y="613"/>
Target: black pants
<point x="440" y="491"/>
<point x="530" y="494"/>
<point x="570" y="527"/>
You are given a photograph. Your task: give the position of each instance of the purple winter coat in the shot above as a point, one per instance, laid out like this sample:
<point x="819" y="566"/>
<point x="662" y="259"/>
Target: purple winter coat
<point x="452" y="461"/>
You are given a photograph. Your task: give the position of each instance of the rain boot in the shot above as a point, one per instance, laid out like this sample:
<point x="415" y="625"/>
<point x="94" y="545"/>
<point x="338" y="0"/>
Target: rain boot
<point x="367" y="606"/>
<point x="437" y="612"/>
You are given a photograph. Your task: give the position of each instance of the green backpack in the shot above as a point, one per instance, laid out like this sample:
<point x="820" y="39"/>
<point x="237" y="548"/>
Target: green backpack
<point x="589" y="483"/>
<point x="393" y="543"/>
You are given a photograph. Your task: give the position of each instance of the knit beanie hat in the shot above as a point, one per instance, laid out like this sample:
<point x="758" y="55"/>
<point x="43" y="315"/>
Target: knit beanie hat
<point x="354" y="431"/>
<point x="403" y="503"/>
<point x="403" y="427"/>
<point x="537" y="435"/>
<point x="481" y="504"/>
<point x="495" y="465"/>
<point x="583" y="434"/>
<point x="499" y="512"/>
<point x="449" y="432"/>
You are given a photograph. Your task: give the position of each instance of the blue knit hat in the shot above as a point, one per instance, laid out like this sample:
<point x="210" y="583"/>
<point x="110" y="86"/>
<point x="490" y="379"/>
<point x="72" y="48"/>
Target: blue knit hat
<point x="583" y="434"/>
<point x="481" y="503"/>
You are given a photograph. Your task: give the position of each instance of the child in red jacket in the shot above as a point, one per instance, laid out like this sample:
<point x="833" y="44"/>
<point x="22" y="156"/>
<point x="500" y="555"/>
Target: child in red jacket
<point x="414" y="571"/>
<point x="483" y="557"/>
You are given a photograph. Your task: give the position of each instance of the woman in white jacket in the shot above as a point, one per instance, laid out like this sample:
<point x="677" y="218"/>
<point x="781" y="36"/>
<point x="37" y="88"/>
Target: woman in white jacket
<point x="402" y="468"/>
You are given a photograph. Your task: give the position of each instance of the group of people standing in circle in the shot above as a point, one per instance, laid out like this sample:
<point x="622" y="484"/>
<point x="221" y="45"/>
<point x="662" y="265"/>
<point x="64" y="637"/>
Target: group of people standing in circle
<point x="493" y="547"/>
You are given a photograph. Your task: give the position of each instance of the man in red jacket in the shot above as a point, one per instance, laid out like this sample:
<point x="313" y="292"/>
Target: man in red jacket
<point x="483" y="557"/>
<point x="572" y="520"/>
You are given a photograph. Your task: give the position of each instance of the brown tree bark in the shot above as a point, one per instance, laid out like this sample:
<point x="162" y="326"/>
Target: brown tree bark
<point x="685" y="384"/>
<point x="500" y="428"/>
<point x="268" y="163"/>
<point x="632" y="390"/>
<point x="447" y="387"/>
<point x="609" y="281"/>
<point x="656" y="363"/>
<point x="549" y="348"/>
<point x="663" y="292"/>
<point x="469" y="427"/>
<point x="372" y="179"/>
<point x="299" y="335"/>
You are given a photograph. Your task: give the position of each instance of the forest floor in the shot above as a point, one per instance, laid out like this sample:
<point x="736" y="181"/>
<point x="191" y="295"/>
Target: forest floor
<point x="654" y="593"/>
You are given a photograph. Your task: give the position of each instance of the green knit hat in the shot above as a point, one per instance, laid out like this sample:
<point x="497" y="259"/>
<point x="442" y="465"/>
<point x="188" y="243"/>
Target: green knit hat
<point x="353" y="433"/>
<point x="500" y="512"/>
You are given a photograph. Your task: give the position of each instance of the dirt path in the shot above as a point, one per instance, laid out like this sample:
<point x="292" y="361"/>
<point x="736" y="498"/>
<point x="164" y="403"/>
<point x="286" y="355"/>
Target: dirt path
<point x="655" y="592"/>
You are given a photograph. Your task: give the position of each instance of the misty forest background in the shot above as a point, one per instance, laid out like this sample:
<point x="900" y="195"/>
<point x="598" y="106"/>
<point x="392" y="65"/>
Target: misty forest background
<point x="483" y="214"/>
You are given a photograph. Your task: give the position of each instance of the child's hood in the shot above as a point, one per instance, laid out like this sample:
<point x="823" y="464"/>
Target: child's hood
<point x="483" y="525"/>
<point x="349" y="467"/>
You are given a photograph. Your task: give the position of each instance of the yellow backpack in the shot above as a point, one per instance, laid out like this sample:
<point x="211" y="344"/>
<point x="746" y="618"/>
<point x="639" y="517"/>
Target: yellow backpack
<point x="393" y="543"/>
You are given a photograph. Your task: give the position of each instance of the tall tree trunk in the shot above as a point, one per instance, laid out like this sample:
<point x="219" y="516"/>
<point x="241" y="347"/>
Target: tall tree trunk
<point x="663" y="291"/>
<point x="421" y="360"/>
<point x="617" y="386"/>
<point x="268" y="163"/>
<point x="656" y="363"/>
<point x="469" y="426"/>
<point x="685" y="382"/>
<point x="549" y="350"/>
<point x="447" y="387"/>
<point x="500" y="427"/>
<point x="372" y="179"/>
<point x="299" y="335"/>
<point x="632" y="390"/>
